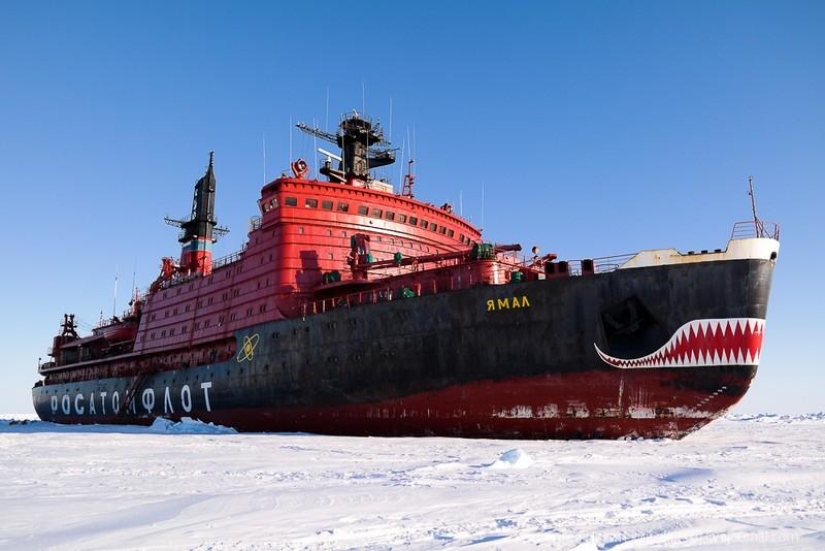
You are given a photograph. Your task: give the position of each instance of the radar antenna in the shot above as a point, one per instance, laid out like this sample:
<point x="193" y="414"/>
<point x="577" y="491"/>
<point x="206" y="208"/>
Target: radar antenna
<point x="362" y="146"/>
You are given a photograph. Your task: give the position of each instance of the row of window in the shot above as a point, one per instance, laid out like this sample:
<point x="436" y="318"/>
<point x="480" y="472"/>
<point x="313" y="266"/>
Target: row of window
<point x="364" y="210"/>
<point x="309" y="203"/>
<point x="208" y="280"/>
<point x="206" y="323"/>
<point x="187" y="307"/>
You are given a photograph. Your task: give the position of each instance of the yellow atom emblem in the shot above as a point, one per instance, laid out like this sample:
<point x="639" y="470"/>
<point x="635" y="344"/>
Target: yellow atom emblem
<point x="247" y="351"/>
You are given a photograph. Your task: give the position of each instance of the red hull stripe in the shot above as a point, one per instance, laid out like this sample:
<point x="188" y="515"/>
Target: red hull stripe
<point x="730" y="341"/>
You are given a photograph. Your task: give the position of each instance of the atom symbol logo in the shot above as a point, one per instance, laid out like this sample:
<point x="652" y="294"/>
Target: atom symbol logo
<point x="247" y="351"/>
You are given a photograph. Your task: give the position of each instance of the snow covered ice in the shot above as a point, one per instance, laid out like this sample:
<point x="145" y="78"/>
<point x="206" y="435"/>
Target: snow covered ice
<point x="755" y="482"/>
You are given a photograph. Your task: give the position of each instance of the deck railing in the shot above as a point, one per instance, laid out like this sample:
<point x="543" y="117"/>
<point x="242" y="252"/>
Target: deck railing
<point x="360" y="298"/>
<point x="228" y="259"/>
<point x="755" y="228"/>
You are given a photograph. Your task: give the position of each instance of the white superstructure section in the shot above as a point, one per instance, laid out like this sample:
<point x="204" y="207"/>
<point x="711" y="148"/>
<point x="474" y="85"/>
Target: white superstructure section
<point x="757" y="248"/>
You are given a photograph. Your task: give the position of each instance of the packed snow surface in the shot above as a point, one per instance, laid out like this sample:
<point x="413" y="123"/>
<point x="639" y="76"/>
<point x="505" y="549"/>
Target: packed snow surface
<point x="740" y="483"/>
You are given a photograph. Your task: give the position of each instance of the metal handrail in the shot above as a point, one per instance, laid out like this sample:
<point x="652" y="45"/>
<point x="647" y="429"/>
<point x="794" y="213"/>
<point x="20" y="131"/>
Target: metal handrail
<point x="755" y="228"/>
<point x="358" y="298"/>
<point x="228" y="259"/>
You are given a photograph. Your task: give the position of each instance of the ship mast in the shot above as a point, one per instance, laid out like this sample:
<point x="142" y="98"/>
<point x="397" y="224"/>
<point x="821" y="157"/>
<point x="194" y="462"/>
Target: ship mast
<point x="409" y="180"/>
<point x="760" y="230"/>
<point x="201" y="230"/>
<point x="357" y="139"/>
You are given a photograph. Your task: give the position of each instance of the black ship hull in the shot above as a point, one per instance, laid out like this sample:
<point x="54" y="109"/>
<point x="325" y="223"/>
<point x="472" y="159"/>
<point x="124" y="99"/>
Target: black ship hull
<point x="653" y="351"/>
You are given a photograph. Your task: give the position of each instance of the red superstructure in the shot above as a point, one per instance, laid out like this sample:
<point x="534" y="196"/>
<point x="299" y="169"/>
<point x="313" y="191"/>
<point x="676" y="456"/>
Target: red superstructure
<point x="305" y="232"/>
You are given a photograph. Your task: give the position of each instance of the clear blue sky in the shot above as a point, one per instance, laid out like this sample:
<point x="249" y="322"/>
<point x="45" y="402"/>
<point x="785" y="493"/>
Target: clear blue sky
<point x="593" y="128"/>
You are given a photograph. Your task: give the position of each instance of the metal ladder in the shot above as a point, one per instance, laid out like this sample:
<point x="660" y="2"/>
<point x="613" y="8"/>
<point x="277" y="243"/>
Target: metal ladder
<point x="131" y="391"/>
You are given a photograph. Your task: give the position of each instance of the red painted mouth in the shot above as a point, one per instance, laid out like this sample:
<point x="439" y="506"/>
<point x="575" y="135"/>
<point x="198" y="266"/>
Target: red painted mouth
<point x="730" y="341"/>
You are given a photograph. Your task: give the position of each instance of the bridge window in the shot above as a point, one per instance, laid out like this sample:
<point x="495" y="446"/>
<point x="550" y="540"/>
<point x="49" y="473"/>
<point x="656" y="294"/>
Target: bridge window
<point x="424" y="224"/>
<point x="363" y="210"/>
<point x="413" y="220"/>
<point x="343" y="207"/>
<point x="433" y="227"/>
<point x="402" y="218"/>
<point x="442" y="230"/>
<point x="450" y="233"/>
<point x="326" y="205"/>
<point x="389" y="215"/>
<point x="311" y="203"/>
<point x="376" y="213"/>
<point x="291" y="202"/>
<point x="274" y="202"/>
